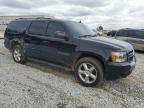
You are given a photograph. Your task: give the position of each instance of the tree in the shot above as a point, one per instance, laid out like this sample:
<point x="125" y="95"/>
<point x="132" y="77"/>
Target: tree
<point x="100" y="28"/>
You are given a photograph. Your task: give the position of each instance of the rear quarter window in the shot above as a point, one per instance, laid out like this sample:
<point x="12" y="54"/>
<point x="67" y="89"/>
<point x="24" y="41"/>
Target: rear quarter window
<point x="17" y="26"/>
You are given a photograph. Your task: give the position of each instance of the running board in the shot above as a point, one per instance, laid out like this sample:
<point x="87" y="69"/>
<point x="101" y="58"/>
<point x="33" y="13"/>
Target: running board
<point x="49" y="64"/>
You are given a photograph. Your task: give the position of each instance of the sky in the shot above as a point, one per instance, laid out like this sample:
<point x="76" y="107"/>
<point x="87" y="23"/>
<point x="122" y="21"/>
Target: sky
<point x="111" y="14"/>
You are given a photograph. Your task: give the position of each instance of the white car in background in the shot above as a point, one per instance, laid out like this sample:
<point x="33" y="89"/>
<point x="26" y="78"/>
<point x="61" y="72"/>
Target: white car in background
<point x="133" y="36"/>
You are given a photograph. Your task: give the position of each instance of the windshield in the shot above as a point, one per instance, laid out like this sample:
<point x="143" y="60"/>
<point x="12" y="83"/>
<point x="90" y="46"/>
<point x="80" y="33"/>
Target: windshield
<point x="78" y="29"/>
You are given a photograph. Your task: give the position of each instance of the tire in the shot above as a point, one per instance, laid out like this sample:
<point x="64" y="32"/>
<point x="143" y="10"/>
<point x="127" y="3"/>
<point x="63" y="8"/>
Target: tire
<point x="89" y="71"/>
<point x="18" y="54"/>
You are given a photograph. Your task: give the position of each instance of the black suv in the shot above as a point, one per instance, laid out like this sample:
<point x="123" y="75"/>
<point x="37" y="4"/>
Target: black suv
<point x="133" y="36"/>
<point x="71" y="45"/>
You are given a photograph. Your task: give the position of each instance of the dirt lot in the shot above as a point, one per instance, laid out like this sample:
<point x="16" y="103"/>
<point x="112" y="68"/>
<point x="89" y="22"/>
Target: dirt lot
<point x="37" y="86"/>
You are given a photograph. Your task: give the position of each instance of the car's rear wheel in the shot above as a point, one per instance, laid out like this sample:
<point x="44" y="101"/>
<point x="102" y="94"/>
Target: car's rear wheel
<point x="89" y="71"/>
<point x="18" y="54"/>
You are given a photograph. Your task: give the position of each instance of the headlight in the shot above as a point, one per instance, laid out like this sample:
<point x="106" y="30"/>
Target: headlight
<point x="119" y="57"/>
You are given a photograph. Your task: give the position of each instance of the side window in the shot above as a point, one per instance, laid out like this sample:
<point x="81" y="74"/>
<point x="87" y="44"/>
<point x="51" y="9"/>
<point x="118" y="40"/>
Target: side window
<point x="122" y="33"/>
<point x="38" y="27"/>
<point x="140" y="34"/>
<point x="132" y="33"/>
<point x="17" y="26"/>
<point x="54" y="27"/>
<point x="119" y="33"/>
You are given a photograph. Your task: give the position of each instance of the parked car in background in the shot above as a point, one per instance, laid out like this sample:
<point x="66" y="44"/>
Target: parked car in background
<point x="70" y="45"/>
<point x="112" y="33"/>
<point x="133" y="36"/>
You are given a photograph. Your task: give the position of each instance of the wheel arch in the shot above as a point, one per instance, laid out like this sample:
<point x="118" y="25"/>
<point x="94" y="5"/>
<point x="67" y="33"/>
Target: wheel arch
<point x="89" y="54"/>
<point x="15" y="42"/>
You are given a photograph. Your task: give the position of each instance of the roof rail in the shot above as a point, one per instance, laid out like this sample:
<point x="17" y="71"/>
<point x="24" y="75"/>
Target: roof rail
<point x="36" y="18"/>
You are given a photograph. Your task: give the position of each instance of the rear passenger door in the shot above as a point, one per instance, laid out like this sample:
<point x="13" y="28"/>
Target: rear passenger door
<point x="34" y="37"/>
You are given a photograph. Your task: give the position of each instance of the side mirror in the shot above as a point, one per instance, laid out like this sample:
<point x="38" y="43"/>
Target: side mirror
<point x="61" y="35"/>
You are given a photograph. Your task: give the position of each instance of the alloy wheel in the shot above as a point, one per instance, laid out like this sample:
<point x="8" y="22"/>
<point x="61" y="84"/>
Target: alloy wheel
<point x="87" y="73"/>
<point x="17" y="54"/>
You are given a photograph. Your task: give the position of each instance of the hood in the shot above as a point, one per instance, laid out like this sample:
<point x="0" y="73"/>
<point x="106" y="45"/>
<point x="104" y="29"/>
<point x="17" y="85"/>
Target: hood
<point x="112" y="42"/>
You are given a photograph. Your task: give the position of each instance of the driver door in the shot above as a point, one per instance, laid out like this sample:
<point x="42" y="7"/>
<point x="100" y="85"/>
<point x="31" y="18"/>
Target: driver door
<point x="55" y="48"/>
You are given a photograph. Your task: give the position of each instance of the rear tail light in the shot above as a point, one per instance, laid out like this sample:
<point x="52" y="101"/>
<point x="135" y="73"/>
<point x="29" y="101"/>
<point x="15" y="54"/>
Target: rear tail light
<point x="4" y="37"/>
<point x="4" y="34"/>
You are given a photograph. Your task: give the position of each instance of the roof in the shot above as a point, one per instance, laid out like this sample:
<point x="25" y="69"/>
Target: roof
<point x="35" y="18"/>
<point x="132" y="29"/>
<point x="43" y="18"/>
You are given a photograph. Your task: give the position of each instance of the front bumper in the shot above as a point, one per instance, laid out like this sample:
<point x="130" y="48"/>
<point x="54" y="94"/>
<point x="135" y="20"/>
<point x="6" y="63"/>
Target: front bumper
<point x="117" y="69"/>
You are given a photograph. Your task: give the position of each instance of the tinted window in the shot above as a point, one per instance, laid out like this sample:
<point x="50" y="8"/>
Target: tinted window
<point x="53" y="27"/>
<point x="131" y="33"/>
<point x="139" y="34"/>
<point x="136" y="34"/>
<point x="38" y="27"/>
<point x="122" y="33"/>
<point x="78" y="29"/>
<point x="17" y="26"/>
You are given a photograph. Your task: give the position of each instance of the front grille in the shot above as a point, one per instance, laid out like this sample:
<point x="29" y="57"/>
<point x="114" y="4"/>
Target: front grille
<point x="130" y="55"/>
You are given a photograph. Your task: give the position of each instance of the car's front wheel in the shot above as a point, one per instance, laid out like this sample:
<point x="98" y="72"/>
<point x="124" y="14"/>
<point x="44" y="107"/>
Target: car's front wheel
<point x="18" y="54"/>
<point x="89" y="71"/>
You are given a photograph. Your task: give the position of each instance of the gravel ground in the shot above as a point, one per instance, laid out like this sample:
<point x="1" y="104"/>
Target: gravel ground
<point x="39" y="86"/>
